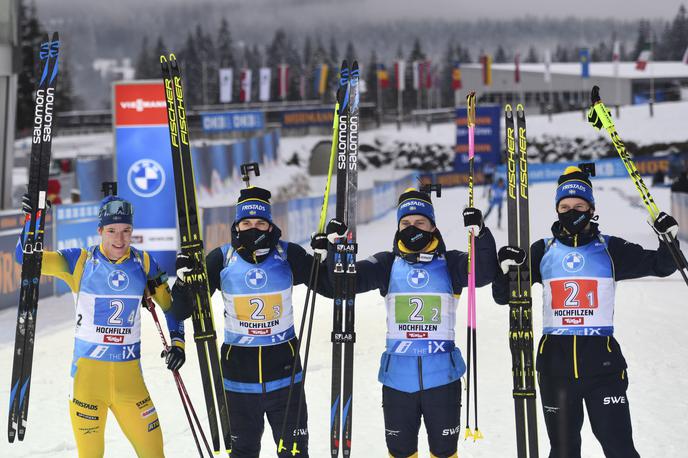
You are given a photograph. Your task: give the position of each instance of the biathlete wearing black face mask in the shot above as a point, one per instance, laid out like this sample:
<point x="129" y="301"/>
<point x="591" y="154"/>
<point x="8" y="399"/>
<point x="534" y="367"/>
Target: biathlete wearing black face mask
<point x="578" y="358"/>
<point x="421" y="282"/>
<point x="255" y="273"/>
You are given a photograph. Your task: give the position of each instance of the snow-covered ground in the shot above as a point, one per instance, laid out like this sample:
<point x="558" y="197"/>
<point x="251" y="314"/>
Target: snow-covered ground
<point x="650" y="322"/>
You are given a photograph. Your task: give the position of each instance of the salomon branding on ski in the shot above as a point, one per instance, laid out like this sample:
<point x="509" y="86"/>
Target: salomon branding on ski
<point x="32" y="243"/>
<point x="192" y="246"/>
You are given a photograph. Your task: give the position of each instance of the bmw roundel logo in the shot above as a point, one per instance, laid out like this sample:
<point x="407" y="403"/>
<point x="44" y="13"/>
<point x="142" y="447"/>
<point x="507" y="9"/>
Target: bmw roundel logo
<point x="118" y="280"/>
<point x="256" y="278"/>
<point x="418" y="278"/>
<point x="573" y="262"/>
<point x="146" y="177"/>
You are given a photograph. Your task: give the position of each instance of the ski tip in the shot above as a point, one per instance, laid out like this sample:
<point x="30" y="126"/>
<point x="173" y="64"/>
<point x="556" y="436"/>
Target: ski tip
<point x="56" y="36"/>
<point x="163" y="59"/>
<point x="172" y="57"/>
<point x="345" y="64"/>
<point x="519" y="108"/>
<point x="508" y="110"/>
<point x="595" y="94"/>
<point x="354" y="66"/>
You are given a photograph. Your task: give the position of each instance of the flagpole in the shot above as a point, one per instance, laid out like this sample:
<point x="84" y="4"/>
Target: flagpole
<point x="652" y="76"/>
<point x="379" y="97"/>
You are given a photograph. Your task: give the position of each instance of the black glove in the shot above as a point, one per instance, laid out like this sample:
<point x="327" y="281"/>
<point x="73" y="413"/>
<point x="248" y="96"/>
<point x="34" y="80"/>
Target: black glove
<point x="510" y="256"/>
<point x="174" y="357"/>
<point x="594" y="118"/>
<point x="665" y="224"/>
<point x="319" y="244"/>
<point x="183" y="265"/>
<point x="335" y="229"/>
<point x="473" y="219"/>
<point x="27" y="208"/>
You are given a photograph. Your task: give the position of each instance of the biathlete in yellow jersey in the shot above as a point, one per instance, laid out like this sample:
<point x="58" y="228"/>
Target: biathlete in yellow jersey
<point x="109" y="282"/>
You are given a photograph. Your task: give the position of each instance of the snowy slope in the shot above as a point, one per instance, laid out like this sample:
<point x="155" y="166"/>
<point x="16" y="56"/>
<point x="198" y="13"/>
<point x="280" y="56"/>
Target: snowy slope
<point x="650" y="319"/>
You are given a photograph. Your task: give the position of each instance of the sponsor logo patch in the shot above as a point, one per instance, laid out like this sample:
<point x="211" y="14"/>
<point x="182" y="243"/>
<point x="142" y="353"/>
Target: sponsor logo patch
<point x="86" y="417"/>
<point x="109" y="338"/>
<point x="416" y="335"/>
<point x="148" y="412"/>
<point x="573" y="321"/>
<point x="142" y="403"/>
<point x="153" y="425"/>
<point x="259" y="332"/>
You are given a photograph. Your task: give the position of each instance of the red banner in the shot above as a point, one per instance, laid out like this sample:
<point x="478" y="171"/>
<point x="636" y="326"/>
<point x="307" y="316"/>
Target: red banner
<point x="139" y="104"/>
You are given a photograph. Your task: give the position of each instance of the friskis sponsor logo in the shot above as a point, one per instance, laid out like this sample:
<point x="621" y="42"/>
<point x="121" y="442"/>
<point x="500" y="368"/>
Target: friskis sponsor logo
<point x="416" y="335"/>
<point x="109" y="338"/>
<point x="573" y="321"/>
<point x="139" y="104"/>
<point x="155" y="424"/>
<point x="87" y="417"/>
<point x="451" y="431"/>
<point x="84" y="405"/>
<point x="141" y="404"/>
<point x="148" y="412"/>
<point x="614" y="400"/>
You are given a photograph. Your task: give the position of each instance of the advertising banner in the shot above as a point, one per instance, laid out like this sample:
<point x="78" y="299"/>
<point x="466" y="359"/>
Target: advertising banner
<point x="487" y="137"/>
<point x="144" y="166"/>
<point x="307" y="117"/>
<point x="231" y="121"/>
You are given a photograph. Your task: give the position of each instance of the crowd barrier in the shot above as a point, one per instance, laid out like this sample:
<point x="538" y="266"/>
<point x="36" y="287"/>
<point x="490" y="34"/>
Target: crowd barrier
<point x="75" y="225"/>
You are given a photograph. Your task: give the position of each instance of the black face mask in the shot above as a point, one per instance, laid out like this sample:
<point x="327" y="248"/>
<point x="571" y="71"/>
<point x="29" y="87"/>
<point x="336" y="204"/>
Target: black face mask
<point x="254" y="241"/>
<point x="574" y="221"/>
<point x="415" y="239"/>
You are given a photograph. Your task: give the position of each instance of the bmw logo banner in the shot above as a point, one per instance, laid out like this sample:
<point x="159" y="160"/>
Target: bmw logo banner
<point x="144" y="166"/>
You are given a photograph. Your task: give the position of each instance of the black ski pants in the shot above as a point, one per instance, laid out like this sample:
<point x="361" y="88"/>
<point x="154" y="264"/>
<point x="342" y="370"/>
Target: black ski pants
<point x="246" y="416"/>
<point x="440" y="408"/>
<point x="608" y="412"/>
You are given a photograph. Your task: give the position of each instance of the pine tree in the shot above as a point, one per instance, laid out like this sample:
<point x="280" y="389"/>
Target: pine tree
<point x="417" y="51"/>
<point x="500" y="56"/>
<point x="30" y="36"/>
<point x="447" y="94"/>
<point x="532" y="56"/>
<point x="225" y="45"/>
<point x="144" y="60"/>
<point x="191" y="65"/>
<point x="642" y="39"/>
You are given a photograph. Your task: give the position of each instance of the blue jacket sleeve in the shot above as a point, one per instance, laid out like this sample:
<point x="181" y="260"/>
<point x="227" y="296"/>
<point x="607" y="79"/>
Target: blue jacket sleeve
<point x="633" y="261"/>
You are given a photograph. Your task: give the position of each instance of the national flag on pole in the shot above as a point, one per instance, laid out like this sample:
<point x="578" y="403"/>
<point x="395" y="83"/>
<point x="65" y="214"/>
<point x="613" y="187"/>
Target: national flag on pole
<point x="320" y="80"/>
<point x="643" y="58"/>
<point x="616" y="57"/>
<point x="486" y="62"/>
<point x="517" y="68"/>
<point x="245" y="94"/>
<point x="226" y="80"/>
<point x="382" y="76"/>
<point x="584" y="56"/>
<point x="548" y="64"/>
<point x="302" y="86"/>
<point x="283" y="84"/>
<point x="400" y="75"/>
<point x="685" y="57"/>
<point x="265" y="80"/>
<point x="428" y="74"/>
<point x="456" y="76"/>
<point x="417" y="74"/>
